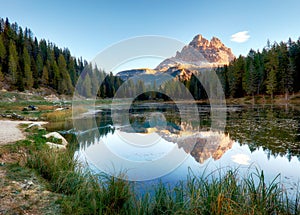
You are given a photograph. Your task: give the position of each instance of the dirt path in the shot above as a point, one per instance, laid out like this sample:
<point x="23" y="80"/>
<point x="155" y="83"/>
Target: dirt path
<point x="22" y="191"/>
<point x="9" y="131"/>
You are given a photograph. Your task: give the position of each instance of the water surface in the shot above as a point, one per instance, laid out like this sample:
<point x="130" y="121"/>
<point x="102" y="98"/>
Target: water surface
<point x="160" y="141"/>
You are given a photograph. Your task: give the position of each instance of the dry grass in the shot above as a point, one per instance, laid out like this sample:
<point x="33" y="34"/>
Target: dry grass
<point x="57" y="116"/>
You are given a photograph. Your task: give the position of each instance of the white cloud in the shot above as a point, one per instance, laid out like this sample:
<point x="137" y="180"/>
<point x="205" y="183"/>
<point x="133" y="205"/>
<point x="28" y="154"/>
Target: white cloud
<point x="241" y="159"/>
<point x="240" y="37"/>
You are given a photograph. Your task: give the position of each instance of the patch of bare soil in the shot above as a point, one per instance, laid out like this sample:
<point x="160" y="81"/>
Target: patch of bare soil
<point x="21" y="191"/>
<point x="9" y="131"/>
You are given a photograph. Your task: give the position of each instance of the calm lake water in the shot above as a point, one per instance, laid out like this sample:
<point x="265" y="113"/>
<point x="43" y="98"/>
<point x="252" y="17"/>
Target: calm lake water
<point x="157" y="141"/>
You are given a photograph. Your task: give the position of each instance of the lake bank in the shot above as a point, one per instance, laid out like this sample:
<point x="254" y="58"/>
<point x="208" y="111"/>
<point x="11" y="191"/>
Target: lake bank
<point x="43" y="160"/>
<point x="75" y="191"/>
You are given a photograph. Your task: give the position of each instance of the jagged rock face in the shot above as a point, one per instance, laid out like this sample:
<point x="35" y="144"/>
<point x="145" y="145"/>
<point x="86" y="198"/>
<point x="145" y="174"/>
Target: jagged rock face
<point x="201" y="52"/>
<point x="201" y="145"/>
<point x="179" y="73"/>
<point x="213" y="51"/>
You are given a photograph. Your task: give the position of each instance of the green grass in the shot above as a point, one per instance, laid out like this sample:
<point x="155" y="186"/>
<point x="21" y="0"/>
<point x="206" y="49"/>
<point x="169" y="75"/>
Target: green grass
<point x="87" y="193"/>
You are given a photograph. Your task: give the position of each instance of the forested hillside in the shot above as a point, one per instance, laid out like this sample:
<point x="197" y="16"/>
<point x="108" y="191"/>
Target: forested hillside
<point x="26" y="63"/>
<point x="274" y="70"/>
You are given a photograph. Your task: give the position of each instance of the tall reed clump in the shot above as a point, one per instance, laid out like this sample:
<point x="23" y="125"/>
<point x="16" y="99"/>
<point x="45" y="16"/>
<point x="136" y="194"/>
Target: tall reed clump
<point x="57" y="116"/>
<point x="85" y="193"/>
<point x="226" y="194"/>
<point x="62" y="115"/>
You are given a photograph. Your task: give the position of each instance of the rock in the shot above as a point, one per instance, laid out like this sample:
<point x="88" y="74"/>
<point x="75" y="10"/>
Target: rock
<point x="16" y="116"/>
<point x="57" y="136"/>
<point x="202" y="53"/>
<point x="55" y="146"/>
<point x="27" y="184"/>
<point x="35" y="125"/>
<point x="51" y="98"/>
<point x="33" y="119"/>
<point x="59" y="109"/>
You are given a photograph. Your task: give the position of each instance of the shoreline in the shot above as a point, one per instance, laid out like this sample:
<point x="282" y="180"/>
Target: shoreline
<point x="10" y="133"/>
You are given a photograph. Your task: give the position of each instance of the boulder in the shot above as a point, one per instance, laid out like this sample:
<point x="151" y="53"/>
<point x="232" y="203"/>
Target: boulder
<point x="17" y="116"/>
<point x="57" y="136"/>
<point x="35" y="125"/>
<point x="55" y="146"/>
<point x="33" y="119"/>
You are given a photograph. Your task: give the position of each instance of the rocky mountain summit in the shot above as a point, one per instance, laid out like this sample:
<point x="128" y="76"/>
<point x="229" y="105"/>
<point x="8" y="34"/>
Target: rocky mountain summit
<point x="200" y="53"/>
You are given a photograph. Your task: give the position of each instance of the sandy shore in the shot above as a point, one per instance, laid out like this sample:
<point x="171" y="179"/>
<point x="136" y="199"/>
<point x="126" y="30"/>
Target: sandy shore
<point x="9" y="131"/>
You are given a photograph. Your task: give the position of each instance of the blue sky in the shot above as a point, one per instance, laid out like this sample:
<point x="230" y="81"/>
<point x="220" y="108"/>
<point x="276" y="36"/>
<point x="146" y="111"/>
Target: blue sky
<point x="87" y="27"/>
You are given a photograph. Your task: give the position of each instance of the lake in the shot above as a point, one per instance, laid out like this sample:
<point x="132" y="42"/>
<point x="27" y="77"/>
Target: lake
<point x="151" y="142"/>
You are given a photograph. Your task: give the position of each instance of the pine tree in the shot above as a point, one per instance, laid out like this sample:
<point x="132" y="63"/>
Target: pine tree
<point x="236" y="72"/>
<point x="39" y="66"/>
<point x="45" y="76"/>
<point x="64" y="81"/>
<point x="271" y="83"/>
<point x="271" y="67"/>
<point x="2" y="51"/>
<point x="87" y="86"/>
<point x="250" y="78"/>
<point x="2" y="60"/>
<point x="72" y="71"/>
<point x="259" y="67"/>
<point x="13" y="63"/>
<point x="55" y="80"/>
<point x="289" y="78"/>
<point x="27" y="69"/>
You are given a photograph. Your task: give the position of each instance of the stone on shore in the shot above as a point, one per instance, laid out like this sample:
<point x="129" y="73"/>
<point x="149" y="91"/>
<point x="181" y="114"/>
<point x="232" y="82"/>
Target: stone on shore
<point x="55" y="146"/>
<point x="57" y="136"/>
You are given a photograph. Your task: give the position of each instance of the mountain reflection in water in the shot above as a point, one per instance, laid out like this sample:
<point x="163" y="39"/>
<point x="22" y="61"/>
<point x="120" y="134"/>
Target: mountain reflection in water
<point x="256" y="136"/>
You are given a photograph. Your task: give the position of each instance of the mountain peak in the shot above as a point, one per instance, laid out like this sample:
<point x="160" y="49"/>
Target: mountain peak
<point x="199" y="41"/>
<point x="216" y="42"/>
<point x="201" y="52"/>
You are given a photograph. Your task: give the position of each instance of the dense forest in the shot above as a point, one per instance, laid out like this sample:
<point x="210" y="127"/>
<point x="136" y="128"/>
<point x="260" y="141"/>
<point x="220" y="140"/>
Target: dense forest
<point x="274" y="70"/>
<point x="26" y="63"/>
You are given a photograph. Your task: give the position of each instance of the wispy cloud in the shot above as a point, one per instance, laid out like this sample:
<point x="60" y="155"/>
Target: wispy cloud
<point x="240" y="37"/>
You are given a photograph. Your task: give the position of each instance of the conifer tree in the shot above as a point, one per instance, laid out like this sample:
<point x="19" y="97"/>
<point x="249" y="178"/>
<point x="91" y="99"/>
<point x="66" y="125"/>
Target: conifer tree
<point x="271" y="67"/>
<point x="13" y="62"/>
<point x="27" y="69"/>
<point x="45" y="76"/>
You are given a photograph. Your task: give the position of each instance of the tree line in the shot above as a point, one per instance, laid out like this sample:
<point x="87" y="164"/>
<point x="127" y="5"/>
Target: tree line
<point x="26" y="63"/>
<point x="274" y="70"/>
